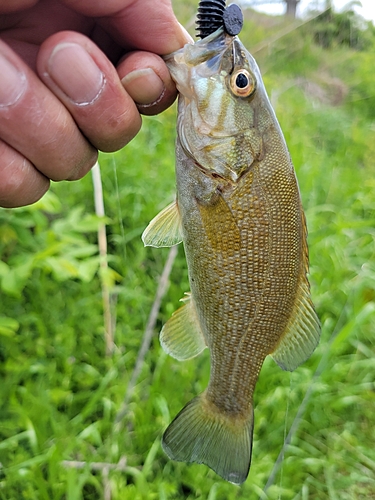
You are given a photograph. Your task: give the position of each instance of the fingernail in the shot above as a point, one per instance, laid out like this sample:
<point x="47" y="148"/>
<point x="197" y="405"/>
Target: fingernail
<point x="75" y="72"/>
<point x="144" y="86"/>
<point x="188" y="37"/>
<point x="12" y="83"/>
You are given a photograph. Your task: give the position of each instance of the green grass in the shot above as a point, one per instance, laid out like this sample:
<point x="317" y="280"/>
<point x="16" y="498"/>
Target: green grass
<point x="59" y="393"/>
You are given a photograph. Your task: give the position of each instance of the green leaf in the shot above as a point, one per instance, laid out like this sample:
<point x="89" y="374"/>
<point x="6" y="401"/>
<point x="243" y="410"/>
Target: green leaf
<point x="62" y="268"/>
<point x="50" y="203"/>
<point x="88" y="268"/>
<point x="368" y="311"/>
<point x="14" y="281"/>
<point x="8" y="326"/>
<point x="4" y="268"/>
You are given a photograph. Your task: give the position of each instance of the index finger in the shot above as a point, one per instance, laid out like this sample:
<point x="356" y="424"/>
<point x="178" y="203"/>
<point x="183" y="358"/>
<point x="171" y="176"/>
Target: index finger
<point x="148" y="25"/>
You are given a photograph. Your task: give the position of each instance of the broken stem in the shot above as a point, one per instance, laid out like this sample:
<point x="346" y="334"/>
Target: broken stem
<point x="102" y="243"/>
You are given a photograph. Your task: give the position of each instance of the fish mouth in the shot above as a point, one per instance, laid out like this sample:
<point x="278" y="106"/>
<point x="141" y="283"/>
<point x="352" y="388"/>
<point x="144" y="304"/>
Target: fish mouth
<point x="207" y="54"/>
<point x="218" y="52"/>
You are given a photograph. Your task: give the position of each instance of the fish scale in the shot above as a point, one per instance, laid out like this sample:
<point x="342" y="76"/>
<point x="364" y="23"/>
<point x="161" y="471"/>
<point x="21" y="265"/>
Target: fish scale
<point x="239" y="215"/>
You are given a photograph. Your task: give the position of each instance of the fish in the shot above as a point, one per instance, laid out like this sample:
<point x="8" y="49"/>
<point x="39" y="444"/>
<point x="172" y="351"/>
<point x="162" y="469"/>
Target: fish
<point x="239" y="215"/>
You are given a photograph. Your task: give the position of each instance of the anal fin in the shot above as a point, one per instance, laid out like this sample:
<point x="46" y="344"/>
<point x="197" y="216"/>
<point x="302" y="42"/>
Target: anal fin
<point x="165" y="229"/>
<point x="181" y="337"/>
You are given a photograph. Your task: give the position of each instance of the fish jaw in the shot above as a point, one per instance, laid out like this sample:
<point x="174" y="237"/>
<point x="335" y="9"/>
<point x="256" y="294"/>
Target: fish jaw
<point x="201" y="59"/>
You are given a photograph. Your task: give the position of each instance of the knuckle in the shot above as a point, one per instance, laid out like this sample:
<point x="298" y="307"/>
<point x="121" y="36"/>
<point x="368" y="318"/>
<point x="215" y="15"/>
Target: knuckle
<point x="117" y="130"/>
<point x="83" y="165"/>
<point x="21" y="184"/>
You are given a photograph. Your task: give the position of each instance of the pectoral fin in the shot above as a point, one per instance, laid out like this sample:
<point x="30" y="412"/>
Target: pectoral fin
<point x="181" y="337"/>
<point x="165" y="229"/>
<point x="302" y="334"/>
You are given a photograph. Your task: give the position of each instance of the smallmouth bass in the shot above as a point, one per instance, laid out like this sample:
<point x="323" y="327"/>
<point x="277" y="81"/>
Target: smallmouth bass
<point x="239" y="215"/>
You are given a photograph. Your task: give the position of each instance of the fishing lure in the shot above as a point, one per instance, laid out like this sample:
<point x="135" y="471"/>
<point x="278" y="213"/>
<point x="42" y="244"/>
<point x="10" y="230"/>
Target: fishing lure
<point x="213" y="15"/>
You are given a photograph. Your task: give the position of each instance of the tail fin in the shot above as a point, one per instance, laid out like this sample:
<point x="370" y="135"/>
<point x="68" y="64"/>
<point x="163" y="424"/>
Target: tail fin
<point x="201" y="434"/>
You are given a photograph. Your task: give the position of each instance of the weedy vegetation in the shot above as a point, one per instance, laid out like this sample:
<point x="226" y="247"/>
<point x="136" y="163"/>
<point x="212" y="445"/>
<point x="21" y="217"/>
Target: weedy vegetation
<point x="65" y="431"/>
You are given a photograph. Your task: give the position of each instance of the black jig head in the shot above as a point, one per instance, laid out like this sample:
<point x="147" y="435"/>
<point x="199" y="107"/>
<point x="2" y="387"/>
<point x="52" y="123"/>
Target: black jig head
<point x="233" y="19"/>
<point x="210" y="16"/>
<point x="213" y="15"/>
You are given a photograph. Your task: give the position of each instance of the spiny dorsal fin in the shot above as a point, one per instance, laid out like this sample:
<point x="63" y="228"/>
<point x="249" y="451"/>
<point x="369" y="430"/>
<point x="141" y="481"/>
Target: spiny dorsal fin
<point x="165" y="229"/>
<point x="181" y="337"/>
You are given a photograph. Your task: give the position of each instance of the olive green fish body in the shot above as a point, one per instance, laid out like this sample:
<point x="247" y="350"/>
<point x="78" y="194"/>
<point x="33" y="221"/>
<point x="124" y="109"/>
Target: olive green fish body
<point x="245" y="281"/>
<point x="239" y="215"/>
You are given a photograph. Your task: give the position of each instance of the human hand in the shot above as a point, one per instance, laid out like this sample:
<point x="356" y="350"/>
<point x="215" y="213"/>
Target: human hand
<point x="61" y="98"/>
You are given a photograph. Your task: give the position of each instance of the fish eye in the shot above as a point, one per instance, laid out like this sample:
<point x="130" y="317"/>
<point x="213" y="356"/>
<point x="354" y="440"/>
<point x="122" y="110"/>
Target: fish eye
<point x="242" y="83"/>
